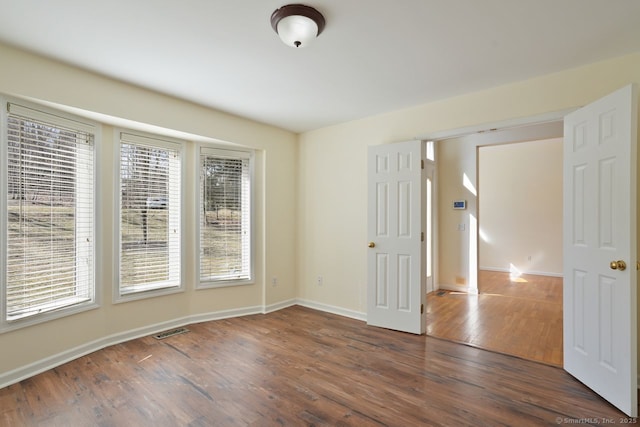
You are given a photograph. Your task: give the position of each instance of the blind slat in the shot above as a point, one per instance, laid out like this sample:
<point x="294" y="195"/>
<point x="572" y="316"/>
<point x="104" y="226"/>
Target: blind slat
<point x="49" y="213"/>
<point x="149" y="214"/>
<point x="225" y="252"/>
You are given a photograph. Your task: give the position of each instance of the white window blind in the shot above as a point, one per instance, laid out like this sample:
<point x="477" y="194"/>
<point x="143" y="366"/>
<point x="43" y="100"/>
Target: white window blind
<point x="225" y="216"/>
<point x="149" y="214"/>
<point x="50" y="231"/>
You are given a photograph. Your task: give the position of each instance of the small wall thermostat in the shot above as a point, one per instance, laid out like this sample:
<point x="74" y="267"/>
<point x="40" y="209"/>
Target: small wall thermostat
<point x="459" y="204"/>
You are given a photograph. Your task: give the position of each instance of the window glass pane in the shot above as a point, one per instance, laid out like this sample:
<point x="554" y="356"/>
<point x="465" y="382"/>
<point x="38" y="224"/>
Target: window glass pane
<point x="225" y="221"/>
<point x="49" y="217"/>
<point x="149" y="217"/>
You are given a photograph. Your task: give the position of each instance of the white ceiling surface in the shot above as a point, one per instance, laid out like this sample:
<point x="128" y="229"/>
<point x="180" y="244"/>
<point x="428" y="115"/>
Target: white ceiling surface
<point x="374" y="56"/>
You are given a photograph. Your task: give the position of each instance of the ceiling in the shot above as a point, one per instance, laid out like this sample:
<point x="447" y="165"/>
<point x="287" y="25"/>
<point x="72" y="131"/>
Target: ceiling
<point x="374" y="56"/>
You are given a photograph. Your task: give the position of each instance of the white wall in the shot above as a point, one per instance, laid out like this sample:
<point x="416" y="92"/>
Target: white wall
<point x="32" y="348"/>
<point x="520" y="207"/>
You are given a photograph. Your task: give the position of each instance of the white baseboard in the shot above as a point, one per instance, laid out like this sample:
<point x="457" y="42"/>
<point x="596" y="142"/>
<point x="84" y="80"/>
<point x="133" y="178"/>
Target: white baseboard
<point x="333" y="309"/>
<point x="534" y="272"/>
<point x="456" y="288"/>
<point x="223" y="314"/>
<point x="27" y="371"/>
<point x="279" y="306"/>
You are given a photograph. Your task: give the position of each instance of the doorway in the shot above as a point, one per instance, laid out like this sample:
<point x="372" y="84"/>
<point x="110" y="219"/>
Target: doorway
<point x="497" y="298"/>
<point x="520" y="208"/>
<point x="520" y="245"/>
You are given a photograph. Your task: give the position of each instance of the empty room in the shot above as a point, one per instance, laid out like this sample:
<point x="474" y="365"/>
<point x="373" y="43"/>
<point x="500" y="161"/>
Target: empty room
<point x="230" y="213"/>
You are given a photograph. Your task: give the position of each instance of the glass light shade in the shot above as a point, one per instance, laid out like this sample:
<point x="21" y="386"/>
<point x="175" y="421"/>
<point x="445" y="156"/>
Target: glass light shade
<point x="297" y="30"/>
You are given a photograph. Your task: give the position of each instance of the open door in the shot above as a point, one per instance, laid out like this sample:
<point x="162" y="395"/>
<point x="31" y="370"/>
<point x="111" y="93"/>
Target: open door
<point x="396" y="204"/>
<point x="600" y="247"/>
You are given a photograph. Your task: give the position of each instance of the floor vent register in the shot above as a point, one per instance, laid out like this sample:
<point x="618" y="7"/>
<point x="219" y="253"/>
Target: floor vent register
<point x="170" y="333"/>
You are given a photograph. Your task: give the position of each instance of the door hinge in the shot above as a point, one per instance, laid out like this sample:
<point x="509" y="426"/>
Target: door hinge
<point x="421" y="308"/>
<point x="421" y="164"/>
<point x="422" y="236"/>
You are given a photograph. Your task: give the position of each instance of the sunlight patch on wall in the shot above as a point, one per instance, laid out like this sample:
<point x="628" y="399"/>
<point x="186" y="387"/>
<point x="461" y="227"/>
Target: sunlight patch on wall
<point x="469" y="185"/>
<point x="484" y="236"/>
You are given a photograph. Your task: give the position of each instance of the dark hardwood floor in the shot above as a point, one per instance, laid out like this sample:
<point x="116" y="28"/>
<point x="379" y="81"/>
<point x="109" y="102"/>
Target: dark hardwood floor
<point x="298" y="367"/>
<point x="521" y="317"/>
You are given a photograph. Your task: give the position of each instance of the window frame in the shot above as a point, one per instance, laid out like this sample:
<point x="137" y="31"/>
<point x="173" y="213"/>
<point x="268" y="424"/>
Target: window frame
<point x="232" y="153"/>
<point x="149" y="291"/>
<point x="60" y="118"/>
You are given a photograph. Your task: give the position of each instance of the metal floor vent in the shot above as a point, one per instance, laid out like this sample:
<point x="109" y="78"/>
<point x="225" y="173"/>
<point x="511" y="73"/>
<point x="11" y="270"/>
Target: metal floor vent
<point x="441" y="293"/>
<point x="170" y="333"/>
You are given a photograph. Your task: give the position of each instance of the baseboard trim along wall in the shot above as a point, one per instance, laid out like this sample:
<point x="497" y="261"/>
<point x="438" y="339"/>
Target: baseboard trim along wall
<point x="279" y="306"/>
<point x="27" y="371"/>
<point x="22" y="373"/>
<point x="333" y="309"/>
<point x="19" y="374"/>
<point x="456" y="288"/>
<point x="537" y="273"/>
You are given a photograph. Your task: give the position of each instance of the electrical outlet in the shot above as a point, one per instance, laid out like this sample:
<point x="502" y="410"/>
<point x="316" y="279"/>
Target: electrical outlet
<point x="274" y="281"/>
<point x="319" y="280"/>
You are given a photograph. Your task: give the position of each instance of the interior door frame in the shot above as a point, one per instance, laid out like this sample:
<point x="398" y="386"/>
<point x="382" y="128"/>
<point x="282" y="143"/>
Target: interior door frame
<point x="545" y="126"/>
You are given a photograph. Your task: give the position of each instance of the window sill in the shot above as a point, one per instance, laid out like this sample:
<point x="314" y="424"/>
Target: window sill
<point x="145" y="292"/>
<point x="212" y="284"/>
<point x="34" y="319"/>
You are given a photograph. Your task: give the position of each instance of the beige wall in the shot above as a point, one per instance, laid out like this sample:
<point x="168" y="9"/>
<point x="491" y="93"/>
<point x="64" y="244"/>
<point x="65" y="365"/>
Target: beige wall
<point x="456" y="162"/>
<point x="332" y="239"/>
<point x="30" y="76"/>
<point x="520" y="207"/>
<point x="332" y="233"/>
<point x="311" y="198"/>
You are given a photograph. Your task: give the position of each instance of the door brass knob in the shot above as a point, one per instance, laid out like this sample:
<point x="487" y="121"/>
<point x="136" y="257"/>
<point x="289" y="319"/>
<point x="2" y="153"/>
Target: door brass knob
<point x="372" y="245"/>
<point x="618" y="265"/>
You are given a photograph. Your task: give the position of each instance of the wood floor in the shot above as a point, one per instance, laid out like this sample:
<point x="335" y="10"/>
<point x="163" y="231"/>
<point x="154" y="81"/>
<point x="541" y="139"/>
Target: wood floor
<point x="521" y="317"/>
<point x="299" y="367"/>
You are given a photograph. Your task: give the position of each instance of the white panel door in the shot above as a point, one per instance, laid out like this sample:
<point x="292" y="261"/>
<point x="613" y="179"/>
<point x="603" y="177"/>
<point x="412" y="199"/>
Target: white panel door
<point x="396" y="272"/>
<point x="600" y="295"/>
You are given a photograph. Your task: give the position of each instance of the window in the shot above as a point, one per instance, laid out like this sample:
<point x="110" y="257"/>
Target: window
<point x="48" y="215"/>
<point x="225" y="218"/>
<point x="149" y="215"/>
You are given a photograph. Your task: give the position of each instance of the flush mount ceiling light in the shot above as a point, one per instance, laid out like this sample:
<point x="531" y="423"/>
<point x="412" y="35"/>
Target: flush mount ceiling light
<point x="297" y="24"/>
